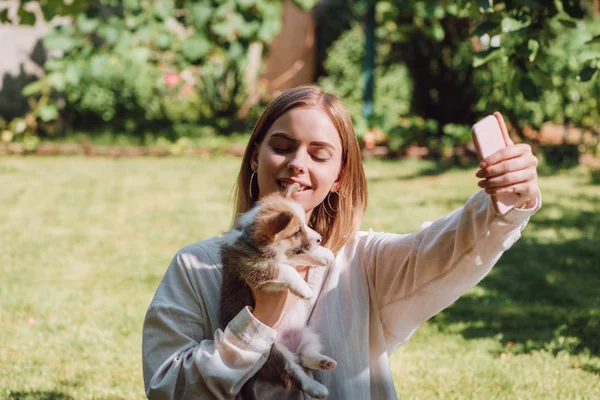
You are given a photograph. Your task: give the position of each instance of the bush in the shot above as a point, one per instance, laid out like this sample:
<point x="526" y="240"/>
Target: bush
<point x="534" y="62"/>
<point x="140" y="65"/>
<point x="344" y="68"/>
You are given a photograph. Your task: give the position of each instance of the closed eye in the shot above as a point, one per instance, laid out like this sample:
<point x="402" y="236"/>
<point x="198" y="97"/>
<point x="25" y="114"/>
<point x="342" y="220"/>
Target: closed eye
<point x="320" y="159"/>
<point x="280" y="150"/>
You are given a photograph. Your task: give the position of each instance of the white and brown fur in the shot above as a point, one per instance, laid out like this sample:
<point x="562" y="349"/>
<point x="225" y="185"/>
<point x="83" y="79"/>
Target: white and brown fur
<point x="261" y="252"/>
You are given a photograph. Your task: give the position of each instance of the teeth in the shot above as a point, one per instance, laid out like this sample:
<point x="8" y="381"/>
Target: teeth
<point x="285" y="185"/>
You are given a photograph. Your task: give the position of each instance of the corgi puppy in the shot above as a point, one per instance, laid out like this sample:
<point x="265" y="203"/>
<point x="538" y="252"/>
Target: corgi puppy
<point x="261" y="252"/>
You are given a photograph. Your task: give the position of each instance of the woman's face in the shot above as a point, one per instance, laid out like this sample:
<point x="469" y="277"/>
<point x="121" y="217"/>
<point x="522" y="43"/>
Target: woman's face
<point x="301" y="146"/>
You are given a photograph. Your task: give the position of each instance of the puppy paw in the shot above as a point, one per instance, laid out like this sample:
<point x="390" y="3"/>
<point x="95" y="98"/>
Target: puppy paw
<point x="316" y="390"/>
<point x="303" y="291"/>
<point x="327" y="364"/>
<point x="318" y="362"/>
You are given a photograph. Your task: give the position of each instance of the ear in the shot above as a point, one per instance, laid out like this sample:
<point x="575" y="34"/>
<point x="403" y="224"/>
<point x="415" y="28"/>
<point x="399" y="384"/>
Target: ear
<point x="338" y="182"/>
<point x="270" y="225"/>
<point x="254" y="159"/>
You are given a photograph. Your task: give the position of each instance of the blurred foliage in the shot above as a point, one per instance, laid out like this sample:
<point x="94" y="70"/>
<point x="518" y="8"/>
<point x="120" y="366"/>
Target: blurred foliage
<point x="139" y="65"/>
<point x="533" y="61"/>
<point x="393" y="86"/>
<point x="49" y="9"/>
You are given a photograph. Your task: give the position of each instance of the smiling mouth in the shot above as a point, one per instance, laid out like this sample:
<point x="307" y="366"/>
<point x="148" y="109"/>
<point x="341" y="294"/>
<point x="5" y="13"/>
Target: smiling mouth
<point x="283" y="185"/>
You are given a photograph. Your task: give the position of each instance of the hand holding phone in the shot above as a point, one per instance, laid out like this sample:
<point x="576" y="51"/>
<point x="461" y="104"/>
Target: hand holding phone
<point x="489" y="135"/>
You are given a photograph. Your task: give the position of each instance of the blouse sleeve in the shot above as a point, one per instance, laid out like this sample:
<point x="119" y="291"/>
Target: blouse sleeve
<point x="181" y="359"/>
<point x="415" y="276"/>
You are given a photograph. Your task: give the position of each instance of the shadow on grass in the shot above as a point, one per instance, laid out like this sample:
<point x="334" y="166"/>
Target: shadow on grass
<point x="591" y="368"/>
<point x="39" y="395"/>
<point x="543" y="294"/>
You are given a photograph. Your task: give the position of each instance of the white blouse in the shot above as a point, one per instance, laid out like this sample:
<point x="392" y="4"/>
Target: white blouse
<point x="381" y="287"/>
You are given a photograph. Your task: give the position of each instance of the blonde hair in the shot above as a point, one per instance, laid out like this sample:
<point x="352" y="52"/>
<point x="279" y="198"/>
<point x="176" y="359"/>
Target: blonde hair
<point x="350" y="202"/>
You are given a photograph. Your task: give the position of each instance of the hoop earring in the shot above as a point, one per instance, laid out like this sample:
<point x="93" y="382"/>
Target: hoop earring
<point x="326" y="203"/>
<point x="250" y="187"/>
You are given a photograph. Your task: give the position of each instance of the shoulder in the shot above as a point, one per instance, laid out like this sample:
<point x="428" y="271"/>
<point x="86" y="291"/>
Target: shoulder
<point x="194" y="262"/>
<point x="194" y="273"/>
<point x="200" y="255"/>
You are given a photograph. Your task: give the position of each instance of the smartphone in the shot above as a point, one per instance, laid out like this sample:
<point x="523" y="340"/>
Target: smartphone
<point x="488" y="138"/>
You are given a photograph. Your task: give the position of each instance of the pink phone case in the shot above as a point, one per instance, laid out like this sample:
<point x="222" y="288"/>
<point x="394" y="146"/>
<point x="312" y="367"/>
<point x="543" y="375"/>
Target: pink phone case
<point x="488" y="138"/>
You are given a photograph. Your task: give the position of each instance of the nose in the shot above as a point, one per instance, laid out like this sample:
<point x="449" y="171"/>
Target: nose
<point x="319" y="239"/>
<point x="297" y="163"/>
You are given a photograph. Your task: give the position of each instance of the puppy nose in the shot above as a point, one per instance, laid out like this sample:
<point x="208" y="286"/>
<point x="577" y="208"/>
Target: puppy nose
<point x="319" y="240"/>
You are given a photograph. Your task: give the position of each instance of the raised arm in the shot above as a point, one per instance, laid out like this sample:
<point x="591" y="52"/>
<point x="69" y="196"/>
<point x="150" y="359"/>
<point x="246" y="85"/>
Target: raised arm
<point x="415" y="276"/>
<point x="183" y="358"/>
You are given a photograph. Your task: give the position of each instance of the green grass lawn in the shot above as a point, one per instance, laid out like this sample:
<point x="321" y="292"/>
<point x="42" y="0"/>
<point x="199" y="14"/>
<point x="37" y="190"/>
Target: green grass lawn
<point x="84" y="243"/>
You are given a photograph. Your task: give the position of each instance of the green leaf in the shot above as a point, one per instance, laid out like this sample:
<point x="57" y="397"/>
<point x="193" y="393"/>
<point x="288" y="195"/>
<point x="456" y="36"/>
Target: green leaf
<point x="305" y="4"/>
<point x="486" y="26"/>
<point x="485" y="56"/>
<point x="48" y="112"/>
<point x="541" y="78"/>
<point x="587" y="73"/>
<point x="31" y="142"/>
<point x="52" y="8"/>
<point x="25" y="17"/>
<point x="73" y="74"/>
<point x="436" y="31"/>
<point x="595" y="39"/>
<point x="132" y="5"/>
<point x="201" y="14"/>
<point x="162" y="9"/>
<point x="223" y="29"/>
<point x="430" y="9"/>
<point x="268" y="30"/>
<point x="33" y="88"/>
<point x="163" y="41"/>
<point x="86" y="25"/>
<point x="140" y="55"/>
<point x="512" y="25"/>
<point x="533" y="46"/>
<point x="236" y="52"/>
<point x="568" y="23"/>
<point x="452" y="9"/>
<point x="485" y="6"/>
<point x="109" y="33"/>
<point x="59" y="41"/>
<point x="57" y="80"/>
<point x="4" y="16"/>
<point x="195" y="47"/>
<point x="529" y="89"/>
<point x="245" y="4"/>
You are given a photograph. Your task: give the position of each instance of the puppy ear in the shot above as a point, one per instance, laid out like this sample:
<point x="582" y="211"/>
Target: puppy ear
<point x="290" y="190"/>
<point x="270" y="225"/>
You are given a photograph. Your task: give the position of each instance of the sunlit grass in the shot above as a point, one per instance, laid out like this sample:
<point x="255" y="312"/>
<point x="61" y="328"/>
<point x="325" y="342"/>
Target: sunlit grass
<point x="86" y="241"/>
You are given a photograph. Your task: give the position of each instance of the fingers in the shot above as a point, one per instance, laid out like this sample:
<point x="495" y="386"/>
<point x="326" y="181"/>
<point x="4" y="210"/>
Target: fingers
<point x="527" y="190"/>
<point x="511" y="178"/>
<point x="500" y="120"/>
<point x="517" y="150"/>
<point x="507" y="166"/>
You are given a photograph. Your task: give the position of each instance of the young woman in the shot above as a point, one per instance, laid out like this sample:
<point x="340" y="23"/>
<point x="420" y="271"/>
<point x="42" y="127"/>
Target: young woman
<point x="381" y="287"/>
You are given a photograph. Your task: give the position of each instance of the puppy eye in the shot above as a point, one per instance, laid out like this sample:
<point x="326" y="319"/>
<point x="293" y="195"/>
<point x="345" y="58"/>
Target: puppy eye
<point x="298" y="232"/>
